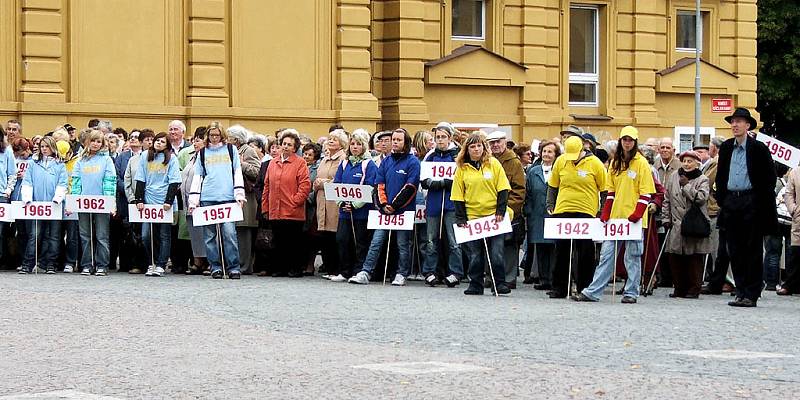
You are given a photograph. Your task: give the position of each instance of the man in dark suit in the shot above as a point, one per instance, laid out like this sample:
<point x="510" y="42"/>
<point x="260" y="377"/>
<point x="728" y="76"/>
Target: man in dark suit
<point x="745" y="185"/>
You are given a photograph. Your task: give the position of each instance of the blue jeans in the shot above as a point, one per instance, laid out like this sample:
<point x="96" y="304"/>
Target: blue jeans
<point x="73" y="243"/>
<point x="476" y="255"/>
<point x="773" y="246"/>
<point x="403" y="246"/>
<point x="602" y="274"/>
<point x="160" y="244"/>
<point x="230" y="244"/>
<point x="98" y="224"/>
<point x="49" y="235"/>
<point x="454" y="254"/>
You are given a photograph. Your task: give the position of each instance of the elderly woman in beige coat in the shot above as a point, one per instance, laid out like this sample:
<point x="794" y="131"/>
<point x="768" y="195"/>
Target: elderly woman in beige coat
<point x="251" y="165"/>
<point x="688" y="185"/>
<point x="328" y="211"/>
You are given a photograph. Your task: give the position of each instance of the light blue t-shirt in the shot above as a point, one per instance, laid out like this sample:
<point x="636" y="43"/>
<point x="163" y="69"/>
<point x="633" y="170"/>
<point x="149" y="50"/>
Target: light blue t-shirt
<point x="218" y="173"/>
<point x="88" y="175"/>
<point x="157" y="177"/>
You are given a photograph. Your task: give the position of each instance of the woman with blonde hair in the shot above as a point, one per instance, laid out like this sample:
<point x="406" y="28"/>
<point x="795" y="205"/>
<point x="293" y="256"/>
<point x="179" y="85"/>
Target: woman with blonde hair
<point x="480" y="189"/>
<point x="328" y="211"/>
<point x="94" y="175"/>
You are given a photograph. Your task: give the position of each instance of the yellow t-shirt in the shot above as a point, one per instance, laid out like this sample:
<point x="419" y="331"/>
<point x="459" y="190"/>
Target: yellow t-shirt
<point x="578" y="185"/>
<point x="628" y="186"/>
<point x="478" y="188"/>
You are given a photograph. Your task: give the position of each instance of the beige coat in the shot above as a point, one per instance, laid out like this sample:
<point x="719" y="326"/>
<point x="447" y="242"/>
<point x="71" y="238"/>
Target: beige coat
<point x="792" y="199"/>
<point x="327" y="211"/>
<point x="251" y="166"/>
<point x="676" y="204"/>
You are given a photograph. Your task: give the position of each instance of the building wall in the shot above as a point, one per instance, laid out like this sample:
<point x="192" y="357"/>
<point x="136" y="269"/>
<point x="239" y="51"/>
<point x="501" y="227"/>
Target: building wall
<point x="358" y="62"/>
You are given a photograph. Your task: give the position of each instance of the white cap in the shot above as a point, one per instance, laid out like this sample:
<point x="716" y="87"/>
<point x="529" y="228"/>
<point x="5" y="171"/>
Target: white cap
<point x="496" y="135"/>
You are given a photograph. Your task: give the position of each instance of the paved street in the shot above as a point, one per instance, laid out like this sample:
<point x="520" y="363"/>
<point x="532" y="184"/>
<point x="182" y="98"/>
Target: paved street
<point x="126" y="337"/>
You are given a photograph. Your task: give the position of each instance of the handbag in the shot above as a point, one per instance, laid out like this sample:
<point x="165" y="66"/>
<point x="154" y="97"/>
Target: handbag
<point x="265" y="239"/>
<point x="695" y="224"/>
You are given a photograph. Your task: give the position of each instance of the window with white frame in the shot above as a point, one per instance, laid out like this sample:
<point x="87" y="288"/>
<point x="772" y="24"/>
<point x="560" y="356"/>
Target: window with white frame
<point x="469" y="19"/>
<point x="584" y="55"/>
<point x="684" y="137"/>
<point x="686" y="30"/>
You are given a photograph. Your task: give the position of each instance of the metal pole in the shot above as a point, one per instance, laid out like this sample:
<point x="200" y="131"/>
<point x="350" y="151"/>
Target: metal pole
<point x="386" y="264"/>
<point x="698" y="42"/>
<point x="491" y="271"/>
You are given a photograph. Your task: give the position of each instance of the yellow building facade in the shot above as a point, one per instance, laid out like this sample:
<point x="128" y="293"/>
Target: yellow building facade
<point x="529" y="66"/>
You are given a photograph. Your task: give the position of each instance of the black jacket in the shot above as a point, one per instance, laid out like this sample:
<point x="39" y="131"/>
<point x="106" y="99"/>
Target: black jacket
<point x="761" y="171"/>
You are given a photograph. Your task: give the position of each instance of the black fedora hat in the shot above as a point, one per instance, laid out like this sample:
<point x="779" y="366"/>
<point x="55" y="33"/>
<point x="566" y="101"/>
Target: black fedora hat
<point x="742" y="113"/>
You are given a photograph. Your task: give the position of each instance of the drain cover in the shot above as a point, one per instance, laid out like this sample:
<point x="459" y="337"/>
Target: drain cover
<point x="730" y="354"/>
<point x="427" y="367"/>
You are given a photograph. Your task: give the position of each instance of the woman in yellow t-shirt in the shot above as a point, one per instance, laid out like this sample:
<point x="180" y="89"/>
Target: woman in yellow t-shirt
<point x="480" y="189"/>
<point x="630" y="185"/>
<point x="575" y="184"/>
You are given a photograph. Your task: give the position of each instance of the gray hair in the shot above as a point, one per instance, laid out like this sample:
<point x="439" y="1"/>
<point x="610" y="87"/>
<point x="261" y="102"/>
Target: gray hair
<point x="611" y="146"/>
<point x="104" y="125"/>
<point x="648" y="153"/>
<point x="238" y="133"/>
<point x="341" y="136"/>
<point x="178" y="123"/>
<point x="717" y="141"/>
<point x="260" y="141"/>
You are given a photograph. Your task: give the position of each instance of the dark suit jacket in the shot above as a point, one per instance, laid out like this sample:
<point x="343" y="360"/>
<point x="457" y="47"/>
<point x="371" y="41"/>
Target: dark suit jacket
<point x="761" y="170"/>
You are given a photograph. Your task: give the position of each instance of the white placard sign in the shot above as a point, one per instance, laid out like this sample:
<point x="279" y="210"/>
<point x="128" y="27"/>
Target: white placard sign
<point x="571" y="228"/>
<point x="5" y="213"/>
<point x="481" y="228"/>
<point x="437" y="171"/>
<point x="41" y="210"/>
<point x="594" y="229"/>
<point x="152" y="213"/>
<point x="348" y="192"/>
<point x="394" y="222"/>
<point x="420" y="214"/>
<point x="217" y="214"/>
<point x="620" y="229"/>
<point x="781" y="152"/>
<point x="89" y="204"/>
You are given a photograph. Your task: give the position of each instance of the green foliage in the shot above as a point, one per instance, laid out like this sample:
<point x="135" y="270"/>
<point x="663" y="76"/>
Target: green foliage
<point x="779" y="67"/>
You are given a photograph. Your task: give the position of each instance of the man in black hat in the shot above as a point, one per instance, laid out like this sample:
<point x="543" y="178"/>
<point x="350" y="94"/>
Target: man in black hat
<point x="745" y="186"/>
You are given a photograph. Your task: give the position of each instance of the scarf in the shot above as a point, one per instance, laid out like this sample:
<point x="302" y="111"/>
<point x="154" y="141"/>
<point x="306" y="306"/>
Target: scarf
<point x="354" y="160"/>
<point x="691" y="175"/>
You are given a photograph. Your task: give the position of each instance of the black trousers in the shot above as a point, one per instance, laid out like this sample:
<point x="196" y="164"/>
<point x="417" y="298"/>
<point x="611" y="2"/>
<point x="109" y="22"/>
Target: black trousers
<point x="745" y="245"/>
<point x="717" y="277"/>
<point x="584" y="255"/>
<point x="288" y="237"/>
<point x="792" y="282"/>
<point x="330" y="253"/>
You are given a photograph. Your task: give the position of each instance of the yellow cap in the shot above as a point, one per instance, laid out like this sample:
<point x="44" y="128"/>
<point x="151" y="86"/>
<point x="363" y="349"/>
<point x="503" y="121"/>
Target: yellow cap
<point x="572" y="148"/>
<point x="63" y="148"/>
<point x="630" y="132"/>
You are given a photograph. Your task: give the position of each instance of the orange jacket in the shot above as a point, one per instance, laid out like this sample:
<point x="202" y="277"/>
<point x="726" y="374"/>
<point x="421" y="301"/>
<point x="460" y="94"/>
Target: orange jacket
<point x="286" y="188"/>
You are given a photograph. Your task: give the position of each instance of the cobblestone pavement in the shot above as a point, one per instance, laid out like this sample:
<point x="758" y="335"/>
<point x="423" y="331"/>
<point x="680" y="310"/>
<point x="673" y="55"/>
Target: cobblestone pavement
<point x="123" y="337"/>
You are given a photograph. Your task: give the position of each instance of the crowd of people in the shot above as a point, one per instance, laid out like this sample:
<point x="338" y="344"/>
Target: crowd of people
<point x="720" y="214"/>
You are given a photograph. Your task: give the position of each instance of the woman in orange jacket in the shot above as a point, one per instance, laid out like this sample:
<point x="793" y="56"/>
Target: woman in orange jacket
<point x="286" y="187"/>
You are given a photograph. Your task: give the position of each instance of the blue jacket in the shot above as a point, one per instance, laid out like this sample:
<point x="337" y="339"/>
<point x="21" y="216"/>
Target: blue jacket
<point x="439" y="189"/>
<point x="45" y="180"/>
<point x="8" y="170"/>
<point x="535" y="208"/>
<point x="397" y="183"/>
<point x="354" y="174"/>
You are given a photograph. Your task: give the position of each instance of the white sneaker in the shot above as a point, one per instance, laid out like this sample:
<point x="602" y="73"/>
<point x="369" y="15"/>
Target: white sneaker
<point x="338" y="278"/>
<point x="158" y="271"/>
<point x="399" y="280"/>
<point x="361" y="278"/>
<point x="327" y="276"/>
<point x="150" y="270"/>
<point x="68" y="269"/>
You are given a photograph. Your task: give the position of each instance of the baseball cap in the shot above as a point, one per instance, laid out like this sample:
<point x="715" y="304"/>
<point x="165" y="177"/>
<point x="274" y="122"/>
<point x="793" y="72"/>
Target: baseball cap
<point x="572" y="148"/>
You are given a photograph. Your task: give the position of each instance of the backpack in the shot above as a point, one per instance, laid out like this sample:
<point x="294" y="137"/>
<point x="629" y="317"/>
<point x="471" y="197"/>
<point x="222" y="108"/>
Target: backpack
<point x="203" y="159"/>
